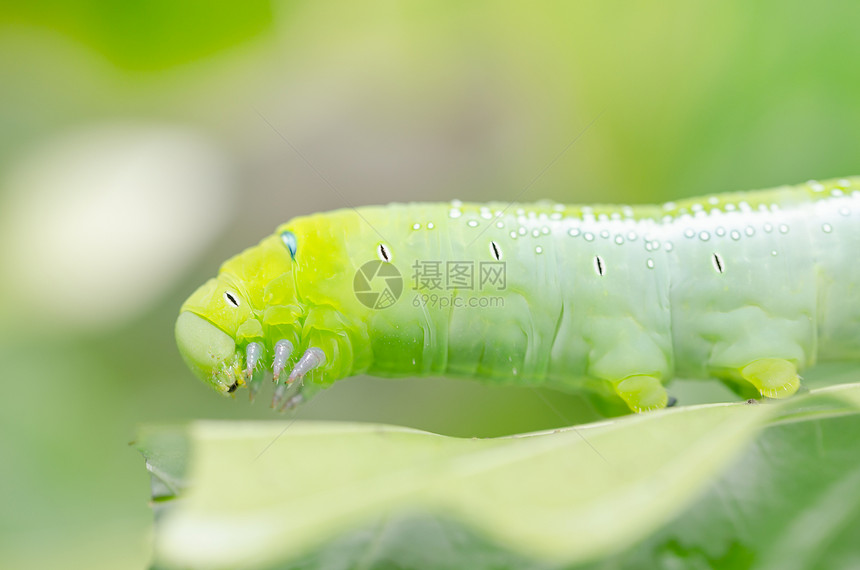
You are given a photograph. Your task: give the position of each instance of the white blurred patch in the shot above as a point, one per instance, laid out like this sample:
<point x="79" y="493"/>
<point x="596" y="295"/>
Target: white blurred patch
<point x="96" y="225"/>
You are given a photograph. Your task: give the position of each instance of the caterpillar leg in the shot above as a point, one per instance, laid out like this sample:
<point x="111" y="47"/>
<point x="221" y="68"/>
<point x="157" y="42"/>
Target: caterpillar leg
<point x="772" y="377"/>
<point x="253" y="377"/>
<point x="312" y="358"/>
<point x="302" y="393"/>
<point x="642" y="393"/>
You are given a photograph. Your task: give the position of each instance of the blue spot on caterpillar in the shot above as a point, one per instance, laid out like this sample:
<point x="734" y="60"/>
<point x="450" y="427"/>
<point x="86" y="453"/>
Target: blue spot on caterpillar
<point x="290" y="241"/>
<point x="745" y="287"/>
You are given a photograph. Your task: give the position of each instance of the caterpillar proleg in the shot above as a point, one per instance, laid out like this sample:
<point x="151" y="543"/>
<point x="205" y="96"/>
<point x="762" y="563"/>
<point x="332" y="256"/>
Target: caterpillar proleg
<point x="746" y="287"/>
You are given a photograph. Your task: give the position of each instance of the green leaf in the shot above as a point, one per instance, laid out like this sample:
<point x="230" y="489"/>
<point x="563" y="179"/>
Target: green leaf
<point x="324" y="495"/>
<point x="790" y="501"/>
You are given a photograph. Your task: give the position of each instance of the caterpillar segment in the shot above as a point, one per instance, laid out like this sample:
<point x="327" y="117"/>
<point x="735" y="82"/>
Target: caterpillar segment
<point x="748" y="288"/>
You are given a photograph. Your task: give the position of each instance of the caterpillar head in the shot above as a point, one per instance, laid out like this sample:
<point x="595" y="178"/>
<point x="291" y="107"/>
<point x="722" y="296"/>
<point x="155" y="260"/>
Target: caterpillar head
<point x="222" y="319"/>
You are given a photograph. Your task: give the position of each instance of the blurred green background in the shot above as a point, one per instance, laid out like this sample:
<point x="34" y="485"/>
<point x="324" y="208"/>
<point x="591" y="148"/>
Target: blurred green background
<point x="137" y="152"/>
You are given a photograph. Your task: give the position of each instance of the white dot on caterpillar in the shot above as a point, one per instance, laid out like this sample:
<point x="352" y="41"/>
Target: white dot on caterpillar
<point x="827" y="228"/>
<point x="383" y="253"/>
<point x="522" y="231"/>
<point x="704" y="236"/>
<point x="495" y="251"/>
<point x="500" y="224"/>
<point x="456" y="203"/>
<point x="486" y="215"/>
<point x="513" y="234"/>
<point x="544" y="230"/>
<point x="844" y="211"/>
<point x="536" y="233"/>
<point x="538" y="249"/>
<point x="573" y="232"/>
<point x="720" y="231"/>
<point x="430" y="225"/>
<point x="619" y="239"/>
<point x="455" y="213"/>
<point x="650" y="263"/>
<point x="773" y="252"/>
<point x="750" y="231"/>
<point x="416" y="226"/>
<point x="668" y="246"/>
<point x="768" y="227"/>
<point x="604" y="234"/>
<point x="783" y="228"/>
<point x="631" y="236"/>
<point x="713" y="200"/>
<point x="836" y="192"/>
<point x="472" y="223"/>
<point x="689" y="232"/>
<point x="588" y="236"/>
<point x="736" y="235"/>
<point x="729" y="207"/>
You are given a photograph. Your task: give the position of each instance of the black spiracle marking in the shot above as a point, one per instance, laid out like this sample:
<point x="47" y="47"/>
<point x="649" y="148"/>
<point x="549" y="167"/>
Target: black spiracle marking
<point x="497" y="253"/>
<point x="718" y="263"/>
<point x="383" y="253"/>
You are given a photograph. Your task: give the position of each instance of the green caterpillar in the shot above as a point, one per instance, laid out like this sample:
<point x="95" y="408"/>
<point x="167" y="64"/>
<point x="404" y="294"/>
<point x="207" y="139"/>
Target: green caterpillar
<point x="745" y="287"/>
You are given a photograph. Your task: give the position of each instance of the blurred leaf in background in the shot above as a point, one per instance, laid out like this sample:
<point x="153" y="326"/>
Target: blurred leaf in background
<point x="149" y="35"/>
<point x="138" y="150"/>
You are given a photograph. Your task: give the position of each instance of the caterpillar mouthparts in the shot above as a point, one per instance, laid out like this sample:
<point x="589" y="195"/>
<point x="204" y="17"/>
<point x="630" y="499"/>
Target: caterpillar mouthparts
<point x="217" y="359"/>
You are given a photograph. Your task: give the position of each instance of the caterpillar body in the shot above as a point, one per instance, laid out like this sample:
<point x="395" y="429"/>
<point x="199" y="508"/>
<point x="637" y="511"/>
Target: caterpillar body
<point x="745" y="287"/>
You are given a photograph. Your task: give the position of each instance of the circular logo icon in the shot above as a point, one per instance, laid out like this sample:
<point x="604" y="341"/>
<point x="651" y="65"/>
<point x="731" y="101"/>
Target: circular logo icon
<point x="377" y="284"/>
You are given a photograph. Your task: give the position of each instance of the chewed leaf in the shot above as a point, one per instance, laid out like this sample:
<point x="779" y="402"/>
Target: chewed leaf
<point x="166" y="451"/>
